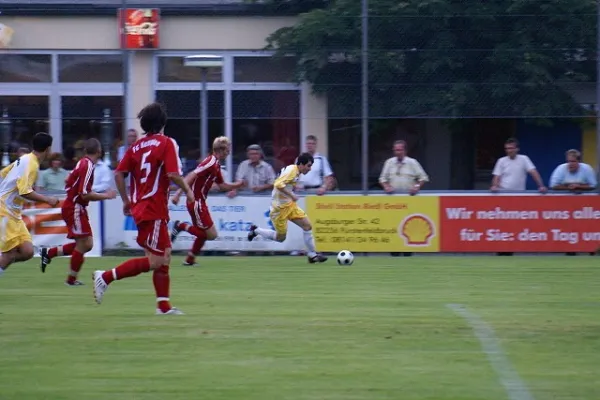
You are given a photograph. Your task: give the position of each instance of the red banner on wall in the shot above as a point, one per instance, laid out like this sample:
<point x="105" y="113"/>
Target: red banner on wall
<point x="138" y="28"/>
<point x="520" y="223"/>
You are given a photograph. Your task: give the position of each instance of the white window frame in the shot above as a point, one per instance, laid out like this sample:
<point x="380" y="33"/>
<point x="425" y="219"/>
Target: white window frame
<point x="227" y="86"/>
<point x="55" y="89"/>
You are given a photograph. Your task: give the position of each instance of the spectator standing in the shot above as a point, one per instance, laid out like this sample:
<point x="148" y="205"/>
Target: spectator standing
<point x="257" y="173"/>
<point x="402" y="173"/>
<point x="510" y="172"/>
<point x="132" y="136"/>
<point x="103" y="177"/>
<point x="54" y="177"/>
<point x="320" y="177"/>
<point x="573" y="175"/>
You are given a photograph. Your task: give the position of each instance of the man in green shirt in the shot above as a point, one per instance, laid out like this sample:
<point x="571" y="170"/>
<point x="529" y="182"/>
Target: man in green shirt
<point x="54" y="177"/>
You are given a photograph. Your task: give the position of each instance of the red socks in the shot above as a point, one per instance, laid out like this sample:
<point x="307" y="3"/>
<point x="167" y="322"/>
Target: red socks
<point x="192" y="230"/>
<point x="129" y="268"/>
<point x="76" y="263"/>
<point x="196" y="248"/>
<point x="162" y="282"/>
<point x="198" y="243"/>
<point x="65" y="250"/>
<point x="136" y="266"/>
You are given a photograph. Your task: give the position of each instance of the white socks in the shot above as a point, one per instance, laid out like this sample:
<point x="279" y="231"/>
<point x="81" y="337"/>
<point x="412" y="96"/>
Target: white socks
<point x="266" y="233"/>
<point x="309" y="242"/>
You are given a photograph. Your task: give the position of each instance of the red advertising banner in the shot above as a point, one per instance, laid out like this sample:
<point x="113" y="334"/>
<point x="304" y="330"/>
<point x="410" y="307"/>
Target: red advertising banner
<point x="138" y="28"/>
<point x="520" y="223"/>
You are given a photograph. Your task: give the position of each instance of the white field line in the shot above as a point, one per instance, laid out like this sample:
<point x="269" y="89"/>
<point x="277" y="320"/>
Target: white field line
<point x="507" y="375"/>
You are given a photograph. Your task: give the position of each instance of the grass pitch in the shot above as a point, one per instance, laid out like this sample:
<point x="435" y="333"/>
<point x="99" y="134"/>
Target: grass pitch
<point x="265" y="328"/>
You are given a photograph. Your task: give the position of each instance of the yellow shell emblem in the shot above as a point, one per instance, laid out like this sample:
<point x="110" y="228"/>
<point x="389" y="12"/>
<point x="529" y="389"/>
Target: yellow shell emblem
<point x="417" y="230"/>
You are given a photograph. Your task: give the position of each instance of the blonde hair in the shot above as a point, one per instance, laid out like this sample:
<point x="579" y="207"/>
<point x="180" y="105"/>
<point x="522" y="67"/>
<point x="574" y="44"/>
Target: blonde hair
<point x="221" y="143"/>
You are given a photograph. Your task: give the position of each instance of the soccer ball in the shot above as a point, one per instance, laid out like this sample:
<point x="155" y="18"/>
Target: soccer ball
<point x="345" y="257"/>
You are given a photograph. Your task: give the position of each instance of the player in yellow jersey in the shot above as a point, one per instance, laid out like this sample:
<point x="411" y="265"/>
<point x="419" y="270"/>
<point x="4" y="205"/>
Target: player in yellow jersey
<point x="284" y="209"/>
<point x="15" y="188"/>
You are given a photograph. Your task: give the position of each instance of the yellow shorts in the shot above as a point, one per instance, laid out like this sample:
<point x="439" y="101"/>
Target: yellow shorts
<point x="281" y="216"/>
<point x="13" y="233"/>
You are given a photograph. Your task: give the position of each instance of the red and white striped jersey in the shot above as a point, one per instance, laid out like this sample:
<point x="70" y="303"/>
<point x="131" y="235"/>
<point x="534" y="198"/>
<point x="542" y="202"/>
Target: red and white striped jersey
<point x="79" y="182"/>
<point x="207" y="173"/>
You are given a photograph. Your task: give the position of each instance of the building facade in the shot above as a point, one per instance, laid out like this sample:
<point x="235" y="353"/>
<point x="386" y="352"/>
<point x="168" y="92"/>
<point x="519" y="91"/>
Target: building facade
<point x="64" y="73"/>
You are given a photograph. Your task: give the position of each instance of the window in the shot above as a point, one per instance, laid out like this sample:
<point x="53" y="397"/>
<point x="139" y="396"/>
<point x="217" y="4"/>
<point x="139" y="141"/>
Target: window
<point x="183" y="109"/>
<point x="270" y="119"/>
<point x="25" y="68"/>
<point x="97" y="68"/>
<point x="171" y="69"/>
<point x="27" y="115"/>
<point x="81" y="117"/>
<point x="264" y="69"/>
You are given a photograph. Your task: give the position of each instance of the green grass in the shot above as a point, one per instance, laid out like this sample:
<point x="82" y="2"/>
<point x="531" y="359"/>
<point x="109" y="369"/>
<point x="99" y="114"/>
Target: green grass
<point x="272" y="328"/>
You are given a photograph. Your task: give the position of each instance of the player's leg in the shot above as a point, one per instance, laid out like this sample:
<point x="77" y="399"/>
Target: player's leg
<point x="15" y="242"/>
<point x="153" y="236"/>
<point x="48" y="253"/>
<point x="195" y="228"/>
<point x="148" y="235"/>
<point x="279" y="221"/>
<point x="204" y="225"/>
<point x="22" y="252"/>
<point x="79" y="229"/>
<point x="82" y="246"/>
<point x="298" y="217"/>
<point x="162" y="284"/>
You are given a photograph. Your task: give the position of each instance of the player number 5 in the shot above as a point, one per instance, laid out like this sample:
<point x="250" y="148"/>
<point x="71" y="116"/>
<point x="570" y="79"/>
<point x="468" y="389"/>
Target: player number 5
<point x="146" y="167"/>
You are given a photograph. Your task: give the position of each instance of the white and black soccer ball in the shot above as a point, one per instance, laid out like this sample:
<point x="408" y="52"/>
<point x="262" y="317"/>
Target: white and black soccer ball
<point x="345" y="257"/>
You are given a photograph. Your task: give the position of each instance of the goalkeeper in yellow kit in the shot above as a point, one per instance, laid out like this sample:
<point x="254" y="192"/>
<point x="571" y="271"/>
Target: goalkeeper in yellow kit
<point x="284" y="209"/>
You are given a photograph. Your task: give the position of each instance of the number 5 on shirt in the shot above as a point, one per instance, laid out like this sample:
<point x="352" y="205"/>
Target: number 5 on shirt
<point x="146" y="167"/>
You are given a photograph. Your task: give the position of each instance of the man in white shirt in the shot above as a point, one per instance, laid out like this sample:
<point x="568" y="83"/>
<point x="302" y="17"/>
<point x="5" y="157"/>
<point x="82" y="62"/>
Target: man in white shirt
<point x="402" y="173"/>
<point x="510" y="172"/>
<point x="320" y="176"/>
<point x="132" y="136"/>
<point x="103" y="177"/>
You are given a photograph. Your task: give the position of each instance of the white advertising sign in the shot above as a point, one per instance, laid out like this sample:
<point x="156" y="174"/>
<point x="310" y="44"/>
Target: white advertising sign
<point x="232" y="218"/>
<point x="48" y="229"/>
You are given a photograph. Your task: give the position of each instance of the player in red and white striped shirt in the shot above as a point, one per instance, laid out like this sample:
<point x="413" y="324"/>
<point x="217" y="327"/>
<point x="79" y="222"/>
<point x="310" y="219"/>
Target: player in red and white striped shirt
<point x="79" y="193"/>
<point x="206" y="174"/>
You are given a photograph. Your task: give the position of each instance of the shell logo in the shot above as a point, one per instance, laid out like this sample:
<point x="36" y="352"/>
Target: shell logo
<point x="417" y="230"/>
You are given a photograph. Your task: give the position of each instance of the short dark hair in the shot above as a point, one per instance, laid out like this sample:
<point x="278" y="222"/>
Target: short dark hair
<point x="311" y="137"/>
<point x="41" y="142"/>
<point x="153" y="118"/>
<point x="92" y="146"/>
<point x="304" y="159"/>
<point x="512" y="141"/>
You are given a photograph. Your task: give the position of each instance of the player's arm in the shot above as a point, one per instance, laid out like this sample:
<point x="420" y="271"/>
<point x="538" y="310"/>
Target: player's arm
<point x="184" y="187"/>
<point x="86" y="182"/>
<point x="25" y="187"/>
<point x="93" y="196"/>
<point x="189" y="180"/>
<point x="173" y="170"/>
<point x="282" y="182"/>
<point x="226" y="186"/>
<point x="123" y="168"/>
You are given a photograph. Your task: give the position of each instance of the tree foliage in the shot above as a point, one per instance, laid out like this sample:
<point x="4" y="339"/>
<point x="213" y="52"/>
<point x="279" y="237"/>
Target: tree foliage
<point x="445" y="58"/>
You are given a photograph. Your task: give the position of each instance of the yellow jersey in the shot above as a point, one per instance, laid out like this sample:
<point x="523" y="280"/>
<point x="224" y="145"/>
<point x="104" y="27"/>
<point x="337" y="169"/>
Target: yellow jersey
<point x="17" y="180"/>
<point x="287" y="179"/>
